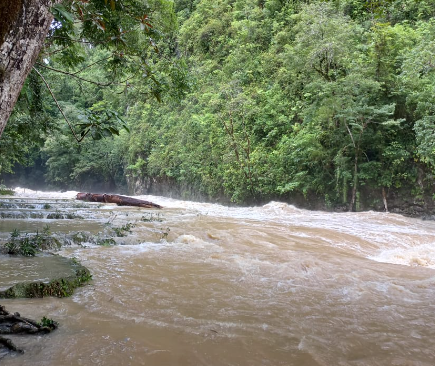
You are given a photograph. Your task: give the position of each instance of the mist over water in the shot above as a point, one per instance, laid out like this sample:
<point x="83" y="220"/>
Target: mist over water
<point x="204" y="284"/>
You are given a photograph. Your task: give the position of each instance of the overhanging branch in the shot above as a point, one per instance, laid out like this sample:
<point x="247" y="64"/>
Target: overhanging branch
<point x="58" y="106"/>
<point x="74" y="75"/>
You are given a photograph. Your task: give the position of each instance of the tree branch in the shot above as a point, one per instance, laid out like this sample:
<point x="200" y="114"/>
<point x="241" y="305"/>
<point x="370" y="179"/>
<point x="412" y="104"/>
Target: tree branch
<point x="58" y="106"/>
<point x="74" y="75"/>
<point x="94" y="63"/>
<point x="48" y="54"/>
<point x="74" y="40"/>
<point x="86" y="80"/>
<point x="350" y="133"/>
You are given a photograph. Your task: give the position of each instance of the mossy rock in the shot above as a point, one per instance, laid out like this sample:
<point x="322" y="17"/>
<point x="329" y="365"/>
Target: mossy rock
<point x="57" y="287"/>
<point x="61" y="216"/>
<point x="12" y="215"/>
<point x="30" y="245"/>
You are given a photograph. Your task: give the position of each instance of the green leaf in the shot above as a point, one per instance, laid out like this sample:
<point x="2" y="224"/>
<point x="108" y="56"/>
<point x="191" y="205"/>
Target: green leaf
<point x="61" y="10"/>
<point x="157" y="96"/>
<point x="114" y="131"/>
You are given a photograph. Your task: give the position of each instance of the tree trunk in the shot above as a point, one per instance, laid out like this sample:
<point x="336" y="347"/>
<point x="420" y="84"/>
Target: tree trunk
<point x="116" y="198"/>
<point x="384" y="199"/>
<point x="23" y="27"/>
<point x="355" y="184"/>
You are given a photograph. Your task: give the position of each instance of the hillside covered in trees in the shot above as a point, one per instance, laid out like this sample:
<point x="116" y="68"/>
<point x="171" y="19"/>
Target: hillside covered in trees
<point x="326" y="104"/>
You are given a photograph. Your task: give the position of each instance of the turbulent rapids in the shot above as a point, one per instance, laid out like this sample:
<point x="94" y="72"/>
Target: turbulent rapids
<point x="203" y="284"/>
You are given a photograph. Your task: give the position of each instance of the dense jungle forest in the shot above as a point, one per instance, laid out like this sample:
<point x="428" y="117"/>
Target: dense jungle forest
<point x="325" y="104"/>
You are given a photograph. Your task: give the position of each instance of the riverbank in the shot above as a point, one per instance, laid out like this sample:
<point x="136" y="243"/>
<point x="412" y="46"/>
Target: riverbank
<point x="410" y="201"/>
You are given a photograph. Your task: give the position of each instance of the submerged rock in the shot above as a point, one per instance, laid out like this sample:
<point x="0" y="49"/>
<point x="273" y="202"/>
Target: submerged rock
<point x="50" y="275"/>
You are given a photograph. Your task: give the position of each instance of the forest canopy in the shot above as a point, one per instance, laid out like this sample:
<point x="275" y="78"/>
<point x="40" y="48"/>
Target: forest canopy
<point x="328" y="102"/>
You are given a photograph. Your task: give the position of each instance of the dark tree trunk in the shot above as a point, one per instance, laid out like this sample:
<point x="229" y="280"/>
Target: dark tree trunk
<point x="355" y="184"/>
<point x="384" y="199"/>
<point x="24" y="25"/>
<point x="115" y="198"/>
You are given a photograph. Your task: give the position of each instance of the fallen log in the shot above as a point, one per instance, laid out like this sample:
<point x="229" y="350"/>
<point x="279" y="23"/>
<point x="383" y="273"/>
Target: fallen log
<point x="16" y="324"/>
<point x="116" y="198"/>
<point x="7" y="343"/>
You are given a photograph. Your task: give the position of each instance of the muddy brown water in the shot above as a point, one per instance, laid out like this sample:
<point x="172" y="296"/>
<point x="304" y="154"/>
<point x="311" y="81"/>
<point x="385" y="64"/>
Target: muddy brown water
<point x="203" y="284"/>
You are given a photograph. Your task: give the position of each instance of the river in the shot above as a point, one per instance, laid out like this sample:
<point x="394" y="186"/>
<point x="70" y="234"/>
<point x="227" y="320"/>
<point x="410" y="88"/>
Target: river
<point x="204" y="284"/>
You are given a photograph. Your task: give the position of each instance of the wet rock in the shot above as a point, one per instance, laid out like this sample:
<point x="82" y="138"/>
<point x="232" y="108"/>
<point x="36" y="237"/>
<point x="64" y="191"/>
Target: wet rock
<point x="12" y="215"/>
<point x="16" y="324"/>
<point x="21" y="327"/>
<point x="61" y="284"/>
<point x="61" y="216"/>
<point x="6" y="346"/>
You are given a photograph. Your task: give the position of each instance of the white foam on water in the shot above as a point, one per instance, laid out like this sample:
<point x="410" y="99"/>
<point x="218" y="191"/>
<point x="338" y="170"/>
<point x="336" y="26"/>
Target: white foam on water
<point x="421" y="255"/>
<point x="133" y="249"/>
<point x="25" y="192"/>
<point x="193" y="242"/>
<point x="381" y="237"/>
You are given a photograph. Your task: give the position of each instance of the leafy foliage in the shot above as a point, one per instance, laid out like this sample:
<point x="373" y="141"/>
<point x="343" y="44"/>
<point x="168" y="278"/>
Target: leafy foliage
<point x="49" y="323"/>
